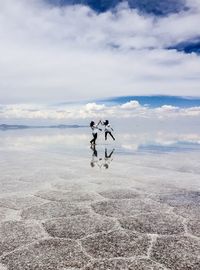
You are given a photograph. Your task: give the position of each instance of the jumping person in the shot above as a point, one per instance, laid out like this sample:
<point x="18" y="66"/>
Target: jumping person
<point x="95" y="130"/>
<point x="108" y="129"/>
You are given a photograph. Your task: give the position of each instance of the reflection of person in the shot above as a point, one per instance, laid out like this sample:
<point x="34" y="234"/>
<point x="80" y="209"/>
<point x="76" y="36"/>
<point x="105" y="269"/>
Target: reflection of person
<point x="108" y="129"/>
<point x="95" y="130"/>
<point x="101" y="163"/>
<point x="107" y="158"/>
<point x="95" y="160"/>
<point x="94" y="156"/>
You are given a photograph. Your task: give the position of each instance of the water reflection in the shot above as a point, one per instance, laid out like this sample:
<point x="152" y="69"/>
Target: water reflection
<point x="76" y="142"/>
<point x="102" y="161"/>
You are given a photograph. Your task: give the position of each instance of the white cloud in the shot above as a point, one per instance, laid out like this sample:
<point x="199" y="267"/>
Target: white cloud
<point x="52" y="54"/>
<point x="133" y="104"/>
<point x="89" y="111"/>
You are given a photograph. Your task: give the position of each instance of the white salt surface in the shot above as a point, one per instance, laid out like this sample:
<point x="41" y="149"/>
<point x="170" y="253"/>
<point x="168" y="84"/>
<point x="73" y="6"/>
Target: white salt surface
<point x="50" y="178"/>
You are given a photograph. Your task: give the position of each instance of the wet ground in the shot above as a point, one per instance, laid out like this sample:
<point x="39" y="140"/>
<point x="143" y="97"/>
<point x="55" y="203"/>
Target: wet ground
<point x="68" y="210"/>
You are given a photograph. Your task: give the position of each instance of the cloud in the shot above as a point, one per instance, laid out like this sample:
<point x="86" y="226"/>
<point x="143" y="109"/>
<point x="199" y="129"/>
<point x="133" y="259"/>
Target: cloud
<point x="129" y="110"/>
<point x="133" y="104"/>
<point x="50" y="53"/>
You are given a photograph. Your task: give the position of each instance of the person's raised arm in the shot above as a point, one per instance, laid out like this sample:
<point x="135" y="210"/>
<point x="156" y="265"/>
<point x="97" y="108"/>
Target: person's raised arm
<point x="99" y="122"/>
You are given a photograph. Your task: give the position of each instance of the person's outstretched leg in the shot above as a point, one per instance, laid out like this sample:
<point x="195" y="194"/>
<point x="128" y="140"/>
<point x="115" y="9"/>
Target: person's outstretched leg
<point x="112" y="136"/>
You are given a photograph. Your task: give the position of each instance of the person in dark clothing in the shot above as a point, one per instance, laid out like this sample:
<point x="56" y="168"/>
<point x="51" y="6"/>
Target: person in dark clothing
<point x="95" y="130"/>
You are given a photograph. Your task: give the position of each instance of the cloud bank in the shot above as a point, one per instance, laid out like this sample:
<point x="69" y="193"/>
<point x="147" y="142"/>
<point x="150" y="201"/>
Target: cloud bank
<point x="51" y="53"/>
<point x="129" y="110"/>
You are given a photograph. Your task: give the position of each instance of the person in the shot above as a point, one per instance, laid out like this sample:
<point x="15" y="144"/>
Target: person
<point x="108" y="129"/>
<point x="95" y="130"/>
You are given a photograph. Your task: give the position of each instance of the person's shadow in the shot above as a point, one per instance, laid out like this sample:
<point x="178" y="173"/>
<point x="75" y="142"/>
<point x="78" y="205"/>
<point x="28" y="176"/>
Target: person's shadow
<point x="101" y="162"/>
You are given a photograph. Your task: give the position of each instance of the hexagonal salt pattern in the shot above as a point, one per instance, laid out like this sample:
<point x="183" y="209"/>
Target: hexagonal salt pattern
<point x="177" y="252"/>
<point x="144" y="264"/>
<point x="185" y="198"/>
<point x="53" y="210"/>
<point x="116" y="264"/>
<point x="18" y="203"/>
<point x="120" y="194"/>
<point x="116" y="244"/>
<point x="69" y="196"/>
<point x="125" y="264"/>
<point x="193" y="226"/>
<point x="159" y="223"/>
<point x="14" y="234"/>
<point x="48" y="254"/>
<point x="118" y="208"/>
<point x="78" y="226"/>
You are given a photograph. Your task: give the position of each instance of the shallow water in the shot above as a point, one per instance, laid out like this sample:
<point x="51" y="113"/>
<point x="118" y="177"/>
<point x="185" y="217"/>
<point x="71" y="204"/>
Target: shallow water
<point x="143" y="189"/>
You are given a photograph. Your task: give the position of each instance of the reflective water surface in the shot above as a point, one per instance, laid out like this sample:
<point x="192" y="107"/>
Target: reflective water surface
<point x="116" y="205"/>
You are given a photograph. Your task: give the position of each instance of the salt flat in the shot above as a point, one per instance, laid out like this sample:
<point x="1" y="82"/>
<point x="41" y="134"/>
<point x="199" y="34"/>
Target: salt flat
<point x="65" y="206"/>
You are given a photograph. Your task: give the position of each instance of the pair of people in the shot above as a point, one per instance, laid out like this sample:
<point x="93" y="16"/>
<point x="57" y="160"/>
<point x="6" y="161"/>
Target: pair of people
<point x="95" y="128"/>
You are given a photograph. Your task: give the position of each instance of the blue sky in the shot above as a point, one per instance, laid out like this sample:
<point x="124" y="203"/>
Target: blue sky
<point x="154" y="101"/>
<point x="157" y="7"/>
<point x="55" y="51"/>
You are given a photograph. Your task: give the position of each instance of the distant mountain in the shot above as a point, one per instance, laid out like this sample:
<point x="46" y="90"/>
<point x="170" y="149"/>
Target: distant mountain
<point x="158" y="7"/>
<point x="5" y="127"/>
<point x="14" y="127"/>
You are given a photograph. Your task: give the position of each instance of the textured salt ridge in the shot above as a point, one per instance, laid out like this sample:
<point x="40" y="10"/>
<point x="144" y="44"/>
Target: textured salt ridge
<point x="112" y="228"/>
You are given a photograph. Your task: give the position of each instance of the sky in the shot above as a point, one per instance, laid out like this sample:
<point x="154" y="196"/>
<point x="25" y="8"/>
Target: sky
<point x="58" y="51"/>
<point x="51" y="52"/>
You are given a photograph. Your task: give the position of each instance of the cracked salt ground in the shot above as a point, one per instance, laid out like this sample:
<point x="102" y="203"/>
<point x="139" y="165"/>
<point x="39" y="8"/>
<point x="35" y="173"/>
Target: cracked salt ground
<point x="120" y="194"/>
<point x="14" y="234"/>
<point x="125" y="264"/>
<point x="118" y="208"/>
<point x="118" y="243"/>
<point x="56" y="213"/>
<point x="161" y="223"/>
<point x="79" y="226"/>
<point x="177" y="252"/>
<point x="189" y="211"/>
<point x="47" y="254"/>
<point x="18" y="203"/>
<point x="3" y="213"/>
<point x="53" y="210"/>
<point x="81" y="185"/>
<point x="11" y="186"/>
<point x="185" y="198"/>
<point x="8" y="214"/>
<point x="193" y="226"/>
<point x="71" y="196"/>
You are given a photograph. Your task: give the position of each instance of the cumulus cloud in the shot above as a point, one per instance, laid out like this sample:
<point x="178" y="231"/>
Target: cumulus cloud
<point x="50" y="53"/>
<point x="133" y="104"/>
<point x="88" y="111"/>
